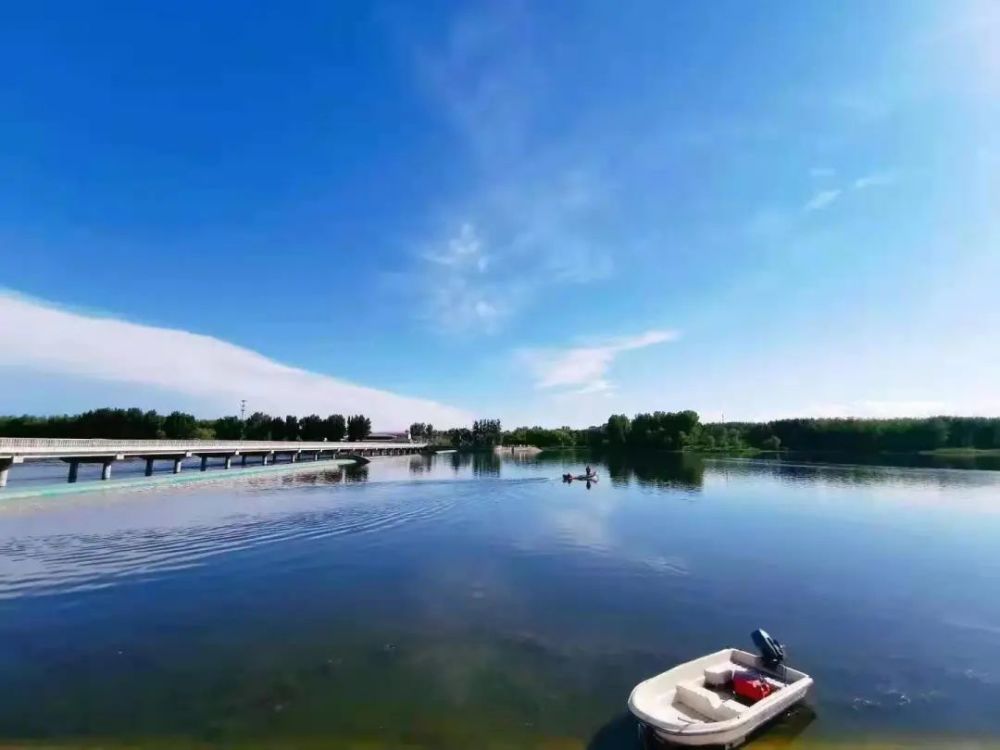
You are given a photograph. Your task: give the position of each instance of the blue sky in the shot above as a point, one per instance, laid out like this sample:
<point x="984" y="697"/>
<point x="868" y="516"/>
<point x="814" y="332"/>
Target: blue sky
<point x="548" y="214"/>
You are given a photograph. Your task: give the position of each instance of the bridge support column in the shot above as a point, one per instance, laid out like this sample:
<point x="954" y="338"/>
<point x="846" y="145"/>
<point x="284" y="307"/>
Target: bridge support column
<point x="229" y="461"/>
<point x="74" y="470"/>
<point x="244" y="459"/>
<point x="5" y="470"/>
<point x="106" y="470"/>
<point x="263" y="460"/>
<point x="178" y="464"/>
<point x="204" y="463"/>
<point x="294" y="458"/>
<point x="149" y="467"/>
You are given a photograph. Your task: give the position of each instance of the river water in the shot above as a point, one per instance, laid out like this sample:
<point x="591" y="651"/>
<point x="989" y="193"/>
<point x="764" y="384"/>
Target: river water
<point x="478" y="602"/>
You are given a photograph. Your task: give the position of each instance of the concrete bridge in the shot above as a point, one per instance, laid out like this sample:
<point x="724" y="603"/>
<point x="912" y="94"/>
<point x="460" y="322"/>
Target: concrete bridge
<point x="106" y="452"/>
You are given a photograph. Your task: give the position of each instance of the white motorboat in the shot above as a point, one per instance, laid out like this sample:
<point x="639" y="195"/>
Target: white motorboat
<point x="695" y="703"/>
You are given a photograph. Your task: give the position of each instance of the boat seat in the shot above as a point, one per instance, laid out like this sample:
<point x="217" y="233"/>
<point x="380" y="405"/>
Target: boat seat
<point x="719" y="675"/>
<point x="708" y="703"/>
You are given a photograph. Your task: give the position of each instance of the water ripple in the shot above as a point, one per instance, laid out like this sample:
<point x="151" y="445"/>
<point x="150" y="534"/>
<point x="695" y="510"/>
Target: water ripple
<point x="62" y="563"/>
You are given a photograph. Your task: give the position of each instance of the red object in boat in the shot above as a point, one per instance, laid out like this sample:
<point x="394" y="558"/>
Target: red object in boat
<point x="752" y="687"/>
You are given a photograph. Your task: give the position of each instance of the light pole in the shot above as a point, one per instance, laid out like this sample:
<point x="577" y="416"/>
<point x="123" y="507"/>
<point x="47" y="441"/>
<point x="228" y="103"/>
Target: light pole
<point x="243" y="409"/>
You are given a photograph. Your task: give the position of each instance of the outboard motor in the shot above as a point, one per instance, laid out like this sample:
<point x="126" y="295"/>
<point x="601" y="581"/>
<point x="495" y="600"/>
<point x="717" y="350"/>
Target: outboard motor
<point x="772" y="652"/>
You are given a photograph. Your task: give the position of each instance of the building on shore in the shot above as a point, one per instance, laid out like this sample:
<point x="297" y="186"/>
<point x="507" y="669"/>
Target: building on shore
<point x="390" y="437"/>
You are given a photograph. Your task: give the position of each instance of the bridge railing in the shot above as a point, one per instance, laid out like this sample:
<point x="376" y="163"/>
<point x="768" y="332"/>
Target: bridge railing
<point x="51" y="445"/>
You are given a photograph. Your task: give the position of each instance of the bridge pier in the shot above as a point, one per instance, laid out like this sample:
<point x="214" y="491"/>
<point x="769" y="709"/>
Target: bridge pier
<point x="149" y="467"/>
<point x="204" y="463"/>
<point x="244" y="459"/>
<point x="105" y="461"/>
<point x="229" y="461"/>
<point x="178" y="465"/>
<point x="5" y="464"/>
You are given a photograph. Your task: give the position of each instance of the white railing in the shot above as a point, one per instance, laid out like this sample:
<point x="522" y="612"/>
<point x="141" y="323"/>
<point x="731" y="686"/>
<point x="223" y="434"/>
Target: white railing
<point x="52" y="445"/>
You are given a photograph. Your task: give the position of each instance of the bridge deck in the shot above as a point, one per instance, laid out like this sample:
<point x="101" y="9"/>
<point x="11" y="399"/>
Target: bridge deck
<point x="75" y="452"/>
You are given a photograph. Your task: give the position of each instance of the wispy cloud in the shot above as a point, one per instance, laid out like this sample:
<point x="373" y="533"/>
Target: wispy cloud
<point x="584" y="369"/>
<point x="534" y="218"/>
<point x="40" y="337"/>
<point x="876" y="179"/>
<point x="458" y="291"/>
<point x="825" y="198"/>
<point x="464" y="251"/>
<point x="822" y="199"/>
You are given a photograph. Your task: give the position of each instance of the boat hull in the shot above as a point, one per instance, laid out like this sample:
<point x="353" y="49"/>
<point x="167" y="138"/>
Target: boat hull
<point x="726" y="738"/>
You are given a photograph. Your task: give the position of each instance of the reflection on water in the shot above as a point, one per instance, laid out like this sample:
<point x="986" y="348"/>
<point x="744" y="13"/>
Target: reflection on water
<point x="468" y="601"/>
<point x="485" y="464"/>
<point x="669" y="471"/>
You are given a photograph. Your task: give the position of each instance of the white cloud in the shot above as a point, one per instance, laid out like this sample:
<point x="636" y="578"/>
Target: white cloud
<point x="876" y="179"/>
<point x="825" y="198"/>
<point x="459" y="290"/>
<point x="42" y="338"/>
<point x="821" y="200"/>
<point x="464" y="251"/>
<point x="597" y="386"/>
<point x="535" y="217"/>
<point x="525" y="238"/>
<point x="584" y="369"/>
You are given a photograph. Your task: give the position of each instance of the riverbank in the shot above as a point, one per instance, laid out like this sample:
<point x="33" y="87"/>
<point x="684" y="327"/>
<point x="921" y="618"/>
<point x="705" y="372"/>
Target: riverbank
<point x="962" y="452"/>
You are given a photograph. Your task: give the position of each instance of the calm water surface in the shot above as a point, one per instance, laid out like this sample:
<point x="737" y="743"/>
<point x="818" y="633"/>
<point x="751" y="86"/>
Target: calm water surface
<point x="469" y="602"/>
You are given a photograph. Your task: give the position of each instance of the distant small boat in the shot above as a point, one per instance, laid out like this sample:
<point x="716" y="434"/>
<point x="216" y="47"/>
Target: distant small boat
<point x="581" y="477"/>
<point x="705" y="701"/>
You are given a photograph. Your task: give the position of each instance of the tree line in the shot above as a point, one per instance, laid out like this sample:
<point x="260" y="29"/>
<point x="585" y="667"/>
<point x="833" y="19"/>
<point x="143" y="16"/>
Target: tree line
<point x="672" y="431"/>
<point x="683" y="430"/>
<point x="136" y="424"/>
<point x="485" y="434"/>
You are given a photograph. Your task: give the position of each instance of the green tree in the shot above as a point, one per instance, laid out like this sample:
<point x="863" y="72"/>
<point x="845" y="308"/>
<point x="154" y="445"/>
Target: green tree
<point x="312" y="428"/>
<point x="204" y="431"/>
<point x="228" y="428"/>
<point x="334" y="427"/>
<point x="618" y="430"/>
<point x="152" y="426"/>
<point x="258" y="426"/>
<point x="180" y="426"/>
<point x="486" y="433"/>
<point x="460" y="437"/>
<point x="277" y="428"/>
<point x="358" y="427"/>
<point x="291" y="427"/>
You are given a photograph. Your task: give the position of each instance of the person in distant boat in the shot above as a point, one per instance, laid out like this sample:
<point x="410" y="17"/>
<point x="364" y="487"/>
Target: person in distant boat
<point x="589" y="472"/>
